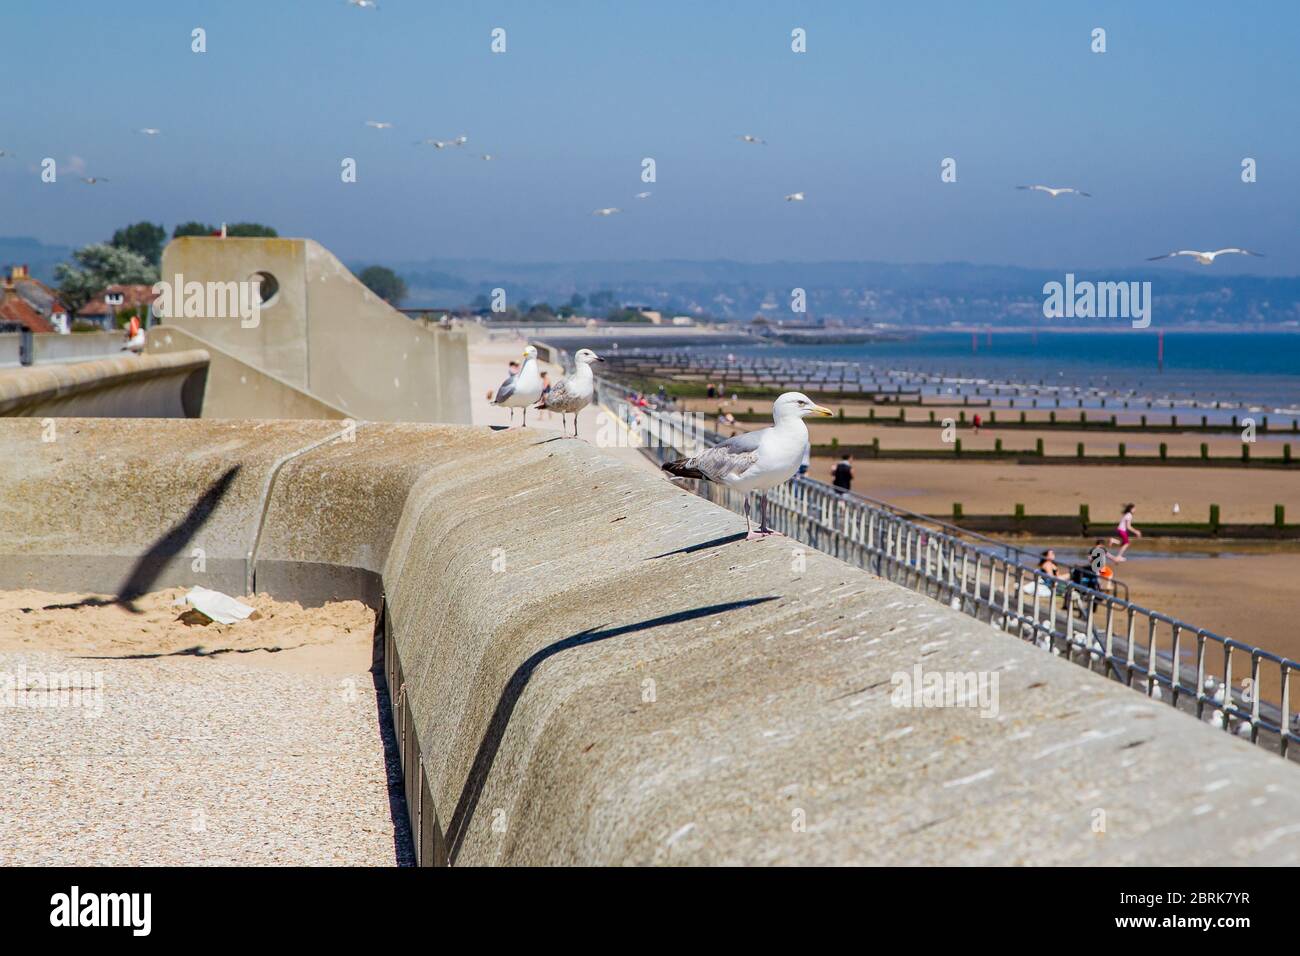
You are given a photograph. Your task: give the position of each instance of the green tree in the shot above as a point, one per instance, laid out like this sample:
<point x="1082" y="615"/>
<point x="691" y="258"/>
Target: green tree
<point x="192" y="228"/>
<point x="96" y="267"/>
<point x="385" y="283"/>
<point x="145" y="239"/>
<point x="251" y="230"/>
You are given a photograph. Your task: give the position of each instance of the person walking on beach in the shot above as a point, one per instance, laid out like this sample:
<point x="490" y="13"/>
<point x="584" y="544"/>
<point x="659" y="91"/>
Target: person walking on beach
<point x="978" y="422"/>
<point x="843" y="475"/>
<point x="1123" y="532"/>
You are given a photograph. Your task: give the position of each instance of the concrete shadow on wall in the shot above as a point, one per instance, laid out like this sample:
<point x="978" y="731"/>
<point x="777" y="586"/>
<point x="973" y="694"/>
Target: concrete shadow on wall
<point x="514" y="689"/>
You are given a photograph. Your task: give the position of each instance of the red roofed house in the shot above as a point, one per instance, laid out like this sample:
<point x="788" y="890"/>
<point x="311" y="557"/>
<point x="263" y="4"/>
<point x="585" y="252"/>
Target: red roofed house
<point x="42" y="300"/>
<point x="16" y="313"/>
<point x="103" y="309"/>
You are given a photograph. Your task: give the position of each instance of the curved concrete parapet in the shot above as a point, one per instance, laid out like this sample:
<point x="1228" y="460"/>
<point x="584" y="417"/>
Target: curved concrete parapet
<point x="589" y="667"/>
<point x="50" y="347"/>
<point x="133" y="386"/>
<point x="322" y="330"/>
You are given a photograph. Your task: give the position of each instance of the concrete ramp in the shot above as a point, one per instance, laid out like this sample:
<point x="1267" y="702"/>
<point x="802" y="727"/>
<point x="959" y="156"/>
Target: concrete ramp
<point x="588" y="666"/>
<point x="322" y="331"/>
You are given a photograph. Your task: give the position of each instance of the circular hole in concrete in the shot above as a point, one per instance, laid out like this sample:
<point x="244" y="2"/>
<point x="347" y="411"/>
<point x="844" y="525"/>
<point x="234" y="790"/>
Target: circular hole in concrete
<point x="268" y="287"/>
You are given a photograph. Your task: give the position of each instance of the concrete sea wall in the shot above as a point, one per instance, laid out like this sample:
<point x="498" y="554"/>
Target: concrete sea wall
<point x="324" y="332"/>
<point x="131" y="386"/>
<point x="587" y="666"/>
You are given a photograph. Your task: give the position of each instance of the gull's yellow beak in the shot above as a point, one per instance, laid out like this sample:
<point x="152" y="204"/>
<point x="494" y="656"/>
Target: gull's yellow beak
<point x="822" y="412"/>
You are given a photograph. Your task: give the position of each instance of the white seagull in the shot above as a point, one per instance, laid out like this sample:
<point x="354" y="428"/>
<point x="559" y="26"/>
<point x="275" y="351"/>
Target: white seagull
<point x="378" y="124"/>
<point x="92" y="180"/>
<point x="746" y="138"/>
<point x="1206" y="258"/>
<point x="607" y="211"/>
<point x="1055" y="191"/>
<point x="794" y="197"/>
<point x="575" y="392"/>
<point x="364" y="4"/>
<point x="149" y="131"/>
<point x="522" y="390"/>
<point x="486" y="157"/>
<point x="758" y="460"/>
<point x="135" y="343"/>
<point x="641" y="196"/>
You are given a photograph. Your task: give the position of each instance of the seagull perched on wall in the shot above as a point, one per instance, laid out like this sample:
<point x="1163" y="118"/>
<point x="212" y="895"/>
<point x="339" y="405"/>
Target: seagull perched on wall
<point x="758" y="460"/>
<point x="1206" y="258"/>
<point x="575" y="392"/>
<point x="524" y="389"/>
<point x="1055" y="191"/>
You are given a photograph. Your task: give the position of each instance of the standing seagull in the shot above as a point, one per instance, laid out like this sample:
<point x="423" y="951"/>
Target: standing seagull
<point x="1055" y="191"/>
<point x="524" y="389"/>
<point x="574" y="393"/>
<point x="1206" y="258"/>
<point x="758" y="460"/>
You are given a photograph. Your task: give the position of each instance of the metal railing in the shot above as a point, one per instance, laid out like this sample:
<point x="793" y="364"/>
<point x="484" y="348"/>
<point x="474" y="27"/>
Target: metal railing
<point x="1163" y="657"/>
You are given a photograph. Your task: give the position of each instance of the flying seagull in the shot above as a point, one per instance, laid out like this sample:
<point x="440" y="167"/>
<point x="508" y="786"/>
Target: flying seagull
<point x="443" y="144"/>
<point x="486" y="156"/>
<point x="607" y="211"/>
<point x="377" y="124"/>
<point x="364" y="4"/>
<point x="746" y="138"/>
<point x="92" y="180"/>
<point x="575" y="392"/>
<point x="1206" y="258"/>
<point x="794" y="197"/>
<point x="6" y="154"/>
<point x="149" y="131"/>
<point x="641" y="196"/>
<point x="1055" y="191"/>
<point x="522" y="390"/>
<point x="758" y="460"/>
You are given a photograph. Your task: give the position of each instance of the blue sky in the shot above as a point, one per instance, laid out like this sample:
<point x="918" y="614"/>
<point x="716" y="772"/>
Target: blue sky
<point x="256" y="128"/>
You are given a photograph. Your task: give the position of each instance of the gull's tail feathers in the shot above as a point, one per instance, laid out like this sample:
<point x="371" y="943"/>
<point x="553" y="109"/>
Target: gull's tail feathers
<point x="684" y="468"/>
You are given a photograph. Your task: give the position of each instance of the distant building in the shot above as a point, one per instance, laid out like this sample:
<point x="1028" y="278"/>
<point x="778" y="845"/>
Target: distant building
<point x="40" y="298"/>
<point x="104" y="308"/>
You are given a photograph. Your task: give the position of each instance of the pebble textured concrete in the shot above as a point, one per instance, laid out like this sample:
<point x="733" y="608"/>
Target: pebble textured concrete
<point x="598" y="671"/>
<point x="185" y="762"/>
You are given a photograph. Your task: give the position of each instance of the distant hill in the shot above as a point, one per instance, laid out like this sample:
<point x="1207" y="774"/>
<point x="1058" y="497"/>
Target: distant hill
<point x="918" y="294"/>
<point x="40" y="258"/>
